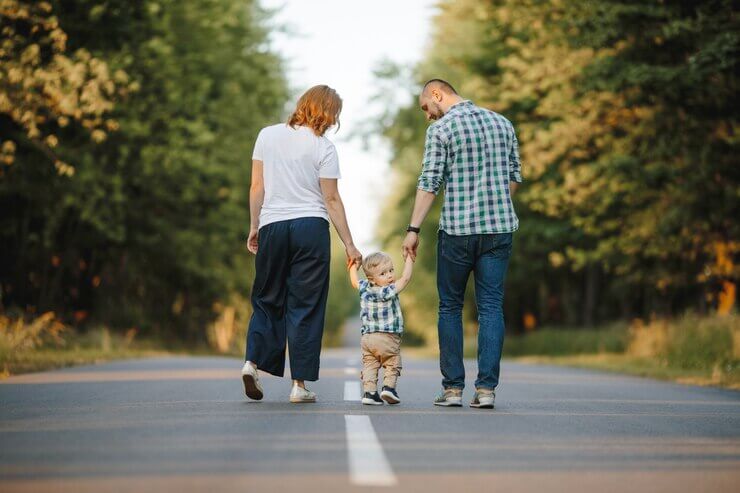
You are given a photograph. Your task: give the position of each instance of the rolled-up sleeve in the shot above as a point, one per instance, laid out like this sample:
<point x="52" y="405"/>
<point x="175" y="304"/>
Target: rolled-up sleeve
<point x="435" y="160"/>
<point x="515" y="166"/>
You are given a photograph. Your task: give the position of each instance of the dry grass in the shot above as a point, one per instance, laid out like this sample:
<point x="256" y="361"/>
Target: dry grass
<point x="692" y="349"/>
<point x="43" y="343"/>
<point x="642" y="367"/>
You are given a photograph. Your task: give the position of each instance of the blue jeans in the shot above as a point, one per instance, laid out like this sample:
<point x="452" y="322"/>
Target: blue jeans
<point x="487" y="256"/>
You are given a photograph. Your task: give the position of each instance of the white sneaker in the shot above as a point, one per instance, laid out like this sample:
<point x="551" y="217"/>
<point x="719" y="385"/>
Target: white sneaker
<point x="251" y="381"/>
<point x="299" y="395"/>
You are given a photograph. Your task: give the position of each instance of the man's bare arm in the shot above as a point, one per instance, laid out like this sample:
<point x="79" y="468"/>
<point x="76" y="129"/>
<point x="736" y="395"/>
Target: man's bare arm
<point x="422" y="205"/>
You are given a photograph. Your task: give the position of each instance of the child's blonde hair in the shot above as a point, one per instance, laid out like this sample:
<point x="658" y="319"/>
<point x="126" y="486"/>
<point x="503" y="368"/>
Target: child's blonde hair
<point x="372" y="262"/>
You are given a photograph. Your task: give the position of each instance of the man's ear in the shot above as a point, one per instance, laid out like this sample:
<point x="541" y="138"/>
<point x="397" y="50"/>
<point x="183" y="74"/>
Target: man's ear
<point x="437" y="95"/>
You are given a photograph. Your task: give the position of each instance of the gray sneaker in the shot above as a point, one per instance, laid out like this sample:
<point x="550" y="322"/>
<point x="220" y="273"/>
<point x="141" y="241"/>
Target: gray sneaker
<point x="449" y="398"/>
<point x="483" y="399"/>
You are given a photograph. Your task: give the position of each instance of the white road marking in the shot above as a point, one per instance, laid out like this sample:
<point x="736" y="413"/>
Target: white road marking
<point x="352" y="390"/>
<point x="368" y="465"/>
<point x="350" y="371"/>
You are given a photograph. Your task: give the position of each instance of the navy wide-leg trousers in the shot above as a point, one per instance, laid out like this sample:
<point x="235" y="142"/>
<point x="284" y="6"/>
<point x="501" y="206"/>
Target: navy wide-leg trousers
<point x="289" y="297"/>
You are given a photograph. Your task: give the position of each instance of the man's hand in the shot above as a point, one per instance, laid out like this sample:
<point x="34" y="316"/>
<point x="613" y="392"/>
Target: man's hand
<point x="410" y="244"/>
<point x="353" y="255"/>
<point x="253" y="240"/>
<point x="422" y="203"/>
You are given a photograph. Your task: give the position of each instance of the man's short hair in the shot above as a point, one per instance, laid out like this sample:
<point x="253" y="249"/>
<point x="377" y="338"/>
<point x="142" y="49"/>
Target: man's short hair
<point x="446" y="86"/>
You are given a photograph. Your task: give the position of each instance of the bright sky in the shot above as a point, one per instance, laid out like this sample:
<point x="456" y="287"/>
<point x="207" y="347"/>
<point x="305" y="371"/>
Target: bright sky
<point x="339" y="43"/>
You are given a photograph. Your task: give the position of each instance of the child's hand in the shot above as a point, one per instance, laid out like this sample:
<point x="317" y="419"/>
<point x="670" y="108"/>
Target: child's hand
<point x="352" y="269"/>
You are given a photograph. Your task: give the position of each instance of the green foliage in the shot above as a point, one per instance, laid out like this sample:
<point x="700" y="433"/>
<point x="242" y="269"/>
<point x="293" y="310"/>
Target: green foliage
<point x="627" y="120"/>
<point x="44" y="87"/>
<point x="149" y="231"/>
<point x="708" y="345"/>
<point x="702" y="343"/>
<point x="561" y="342"/>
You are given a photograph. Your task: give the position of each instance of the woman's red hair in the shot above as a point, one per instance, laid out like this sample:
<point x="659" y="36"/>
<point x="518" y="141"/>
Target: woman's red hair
<point x="318" y="108"/>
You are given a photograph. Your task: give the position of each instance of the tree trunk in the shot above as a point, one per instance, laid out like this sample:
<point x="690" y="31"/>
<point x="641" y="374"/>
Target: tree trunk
<point x="591" y="282"/>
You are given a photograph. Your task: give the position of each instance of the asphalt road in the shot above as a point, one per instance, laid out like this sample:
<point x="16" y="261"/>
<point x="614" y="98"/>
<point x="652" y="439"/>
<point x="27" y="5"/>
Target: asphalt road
<point x="183" y="424"/>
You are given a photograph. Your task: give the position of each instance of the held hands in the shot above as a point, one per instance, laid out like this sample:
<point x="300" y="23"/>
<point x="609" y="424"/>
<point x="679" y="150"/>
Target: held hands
<point x="353" y="256"/>
<point x="352" y="265"/>
<point x="410" y="244"/>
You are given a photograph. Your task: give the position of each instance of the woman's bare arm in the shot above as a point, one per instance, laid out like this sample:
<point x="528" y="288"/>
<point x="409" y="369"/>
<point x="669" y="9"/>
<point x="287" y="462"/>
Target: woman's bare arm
<point x="256" y="199"/>
<point x="335" y="207"/>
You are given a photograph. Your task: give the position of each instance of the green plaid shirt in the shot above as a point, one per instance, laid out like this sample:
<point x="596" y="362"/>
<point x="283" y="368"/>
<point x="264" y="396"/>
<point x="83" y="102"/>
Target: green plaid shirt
<point x="474" y="152"/>
<point x="380" y="310"/>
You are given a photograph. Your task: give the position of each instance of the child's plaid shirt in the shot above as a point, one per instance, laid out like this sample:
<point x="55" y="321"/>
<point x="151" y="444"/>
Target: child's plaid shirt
<point x="380" y="310"/>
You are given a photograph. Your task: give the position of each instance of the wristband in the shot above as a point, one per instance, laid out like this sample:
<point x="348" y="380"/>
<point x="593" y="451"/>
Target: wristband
<point x="412" y="229"/>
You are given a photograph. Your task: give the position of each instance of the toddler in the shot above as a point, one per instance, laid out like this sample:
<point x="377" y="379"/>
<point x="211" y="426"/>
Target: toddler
<point x="382" y="324"/>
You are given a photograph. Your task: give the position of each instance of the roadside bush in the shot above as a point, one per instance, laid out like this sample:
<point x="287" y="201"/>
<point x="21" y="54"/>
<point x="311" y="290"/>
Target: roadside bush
<point x="23" y="334"/>
<point x="558" y="342"/>
<point x="690" y="342"/>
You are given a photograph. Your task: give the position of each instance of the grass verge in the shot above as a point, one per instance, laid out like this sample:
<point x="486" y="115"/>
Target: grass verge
<point x="29" y="344"/>
<point x="52" y="358"/>
<point x="691" y="349"/>
<point x="642" y="367"/>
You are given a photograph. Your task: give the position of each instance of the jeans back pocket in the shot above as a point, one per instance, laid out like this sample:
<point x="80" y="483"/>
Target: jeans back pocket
<point x="453" y="248"/>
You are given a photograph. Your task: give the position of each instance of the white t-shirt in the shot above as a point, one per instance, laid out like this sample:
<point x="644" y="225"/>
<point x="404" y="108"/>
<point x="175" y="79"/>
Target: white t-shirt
<point x="293" y="161"/>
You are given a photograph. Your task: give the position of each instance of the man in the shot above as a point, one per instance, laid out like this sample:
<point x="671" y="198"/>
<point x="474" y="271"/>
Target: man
<point x="474" y="153"/>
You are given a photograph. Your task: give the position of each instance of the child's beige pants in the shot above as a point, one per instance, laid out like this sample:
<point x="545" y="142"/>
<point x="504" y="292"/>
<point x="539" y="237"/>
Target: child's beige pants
<point x="380" y="349"/>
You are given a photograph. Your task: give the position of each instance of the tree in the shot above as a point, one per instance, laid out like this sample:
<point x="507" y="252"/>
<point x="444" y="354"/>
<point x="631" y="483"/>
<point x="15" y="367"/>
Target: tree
<point x="148" y="232"/>
<point x="626" y="116"/>
<point x="44" y="88"/>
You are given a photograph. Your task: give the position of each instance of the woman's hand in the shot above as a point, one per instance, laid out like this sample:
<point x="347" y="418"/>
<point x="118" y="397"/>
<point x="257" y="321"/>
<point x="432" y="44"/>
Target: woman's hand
<point x="353" y="255"/>
<point x="253" y="240"/>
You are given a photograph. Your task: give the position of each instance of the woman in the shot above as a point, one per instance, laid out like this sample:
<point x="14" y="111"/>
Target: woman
<point x="293" y="195"/>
